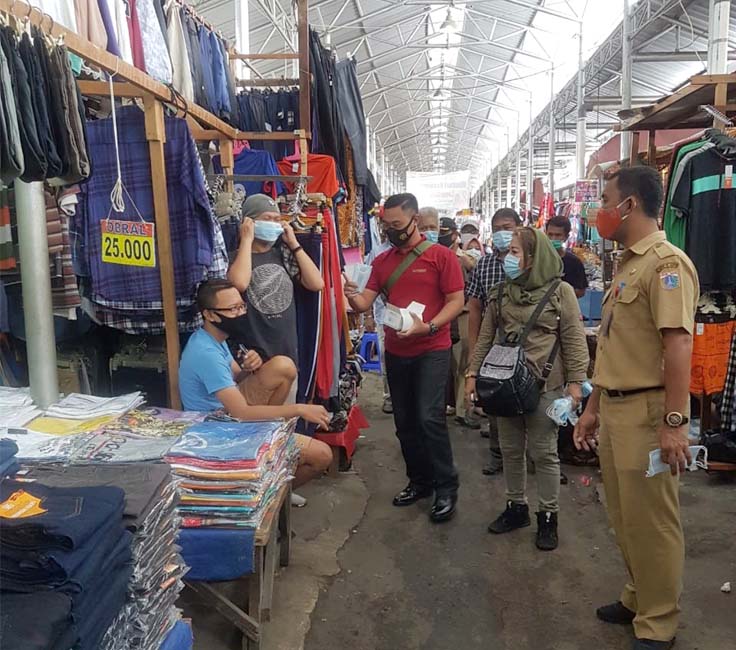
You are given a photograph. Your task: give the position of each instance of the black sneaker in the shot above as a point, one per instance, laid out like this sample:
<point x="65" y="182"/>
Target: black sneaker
<point x="616" y="614"/>
<point x="547" y="531"/>
<point x="515" y="516"/>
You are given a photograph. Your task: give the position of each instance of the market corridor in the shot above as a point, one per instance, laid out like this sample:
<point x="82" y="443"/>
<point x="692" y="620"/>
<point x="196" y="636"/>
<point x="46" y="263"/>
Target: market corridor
<point x="385" y="579"/>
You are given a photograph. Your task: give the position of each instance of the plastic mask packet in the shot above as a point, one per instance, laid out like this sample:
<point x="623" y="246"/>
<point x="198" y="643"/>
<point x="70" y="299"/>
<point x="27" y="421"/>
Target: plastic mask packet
<point x="657" y="466"/>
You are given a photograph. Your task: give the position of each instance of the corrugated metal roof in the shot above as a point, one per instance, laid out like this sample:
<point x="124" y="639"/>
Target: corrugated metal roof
<point x="501" y="62"/>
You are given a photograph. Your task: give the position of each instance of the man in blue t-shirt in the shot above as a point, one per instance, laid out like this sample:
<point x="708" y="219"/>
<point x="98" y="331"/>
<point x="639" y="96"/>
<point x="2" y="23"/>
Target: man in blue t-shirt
<point x="211" y="379"/>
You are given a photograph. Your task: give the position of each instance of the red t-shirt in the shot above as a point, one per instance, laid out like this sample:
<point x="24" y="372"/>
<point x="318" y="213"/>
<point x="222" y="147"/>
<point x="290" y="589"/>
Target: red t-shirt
<point x="427" y="281"/>
<point x="321" y="168"/>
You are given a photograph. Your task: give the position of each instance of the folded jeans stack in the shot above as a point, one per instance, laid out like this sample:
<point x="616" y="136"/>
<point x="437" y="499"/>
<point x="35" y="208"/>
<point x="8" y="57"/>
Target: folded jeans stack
<point x="8" y="463"/>
<point x="68" y="546"/>
<point x="157" y="568"/>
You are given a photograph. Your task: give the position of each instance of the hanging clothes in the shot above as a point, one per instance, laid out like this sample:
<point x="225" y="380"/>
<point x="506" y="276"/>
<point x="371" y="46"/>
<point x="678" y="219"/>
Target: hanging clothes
<point x="108" y="23"/>
<point x="11" y="148"/>
<point x="136" y="39"/>
<point x="191" y="38"/>
<point x="309" y="321"/>
<point x="350" y="106"/>
<point x="705" y="196"/>
<point x="90" y="24"/>
<point x="40" y="107"/>
<point x="155" y="52"/>
<point x="34" y="156"/>
<point x="181" y="65"/>
<point x="322" y="169"/>
<point x="728" y="401"/>
<point x="7" y="249"/>
<point x="189" y="211"/>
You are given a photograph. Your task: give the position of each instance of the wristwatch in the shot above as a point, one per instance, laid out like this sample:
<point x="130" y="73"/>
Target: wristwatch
<point x="674" y="419"/>
<point x="433" y="329"/>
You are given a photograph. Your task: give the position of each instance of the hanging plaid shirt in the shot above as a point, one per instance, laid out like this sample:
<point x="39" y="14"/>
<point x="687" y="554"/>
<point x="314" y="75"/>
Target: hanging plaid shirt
<point x="488" y="271"/>
<point x="190" y="215"/>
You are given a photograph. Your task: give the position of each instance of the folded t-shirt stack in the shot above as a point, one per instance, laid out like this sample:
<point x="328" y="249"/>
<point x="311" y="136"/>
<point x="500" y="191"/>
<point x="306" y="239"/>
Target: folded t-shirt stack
<point x="231" y="471"/>
<point x="69" y="547"/>
<point x="150" y="515"/>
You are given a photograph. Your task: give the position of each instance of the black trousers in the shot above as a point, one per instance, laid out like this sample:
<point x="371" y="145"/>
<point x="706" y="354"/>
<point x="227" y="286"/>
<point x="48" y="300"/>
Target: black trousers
<point x="418" y="395"/>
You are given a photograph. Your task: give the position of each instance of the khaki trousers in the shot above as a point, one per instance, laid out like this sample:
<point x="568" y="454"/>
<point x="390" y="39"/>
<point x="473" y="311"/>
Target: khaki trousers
<point x="540" y="433"/>
<point x="461" y="359"/>
<point x="644" y="512"/>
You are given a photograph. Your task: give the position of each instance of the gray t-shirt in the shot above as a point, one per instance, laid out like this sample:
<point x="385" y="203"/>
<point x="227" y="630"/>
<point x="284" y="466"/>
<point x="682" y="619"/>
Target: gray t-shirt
<point x="271" y="307"/>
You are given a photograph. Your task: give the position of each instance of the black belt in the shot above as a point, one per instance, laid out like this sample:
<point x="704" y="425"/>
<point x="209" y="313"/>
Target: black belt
<point x="626" y="393"/>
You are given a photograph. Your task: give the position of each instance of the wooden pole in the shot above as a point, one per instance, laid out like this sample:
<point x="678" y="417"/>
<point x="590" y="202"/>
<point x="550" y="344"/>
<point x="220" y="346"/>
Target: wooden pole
<point x="634" y="150"/>
<point x="720" y="99"/>
<point x="156" y="136"/>
<point x="228" y="162"/>
<point x="305" y="78"/>
<point x="652" y="148"/>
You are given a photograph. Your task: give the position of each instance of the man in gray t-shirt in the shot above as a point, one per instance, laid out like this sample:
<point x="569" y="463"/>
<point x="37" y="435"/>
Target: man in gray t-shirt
<point x="268" y="262"/>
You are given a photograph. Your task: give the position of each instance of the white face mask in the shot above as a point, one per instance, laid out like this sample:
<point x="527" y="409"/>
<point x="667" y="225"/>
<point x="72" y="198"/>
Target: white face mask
<point x="656" y="466"/>
<point x="474" y="253"/>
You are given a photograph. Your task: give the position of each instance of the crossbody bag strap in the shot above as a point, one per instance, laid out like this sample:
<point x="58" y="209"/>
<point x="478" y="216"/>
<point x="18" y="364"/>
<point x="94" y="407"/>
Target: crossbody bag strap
<point x="410" y="258"/>
<point x="547" y="368"/>
<point x="500" y="329"/>
<point x="537" y="312"/>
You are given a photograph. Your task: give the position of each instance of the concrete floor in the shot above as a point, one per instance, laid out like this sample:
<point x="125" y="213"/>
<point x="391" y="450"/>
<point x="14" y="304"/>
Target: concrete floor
<point x="368" y="576"/>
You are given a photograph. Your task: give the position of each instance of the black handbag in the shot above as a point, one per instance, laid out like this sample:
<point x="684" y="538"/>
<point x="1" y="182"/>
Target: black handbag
<point x="506" y="385"/>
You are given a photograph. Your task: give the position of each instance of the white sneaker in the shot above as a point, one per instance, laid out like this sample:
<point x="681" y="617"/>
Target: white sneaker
<point x="297" y="500"/>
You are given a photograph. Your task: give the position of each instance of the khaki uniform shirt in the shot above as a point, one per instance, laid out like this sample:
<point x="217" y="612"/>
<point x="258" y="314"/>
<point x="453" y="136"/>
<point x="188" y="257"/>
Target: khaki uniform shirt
<point x="559" y="318"/>
<point x="656" y="287"/>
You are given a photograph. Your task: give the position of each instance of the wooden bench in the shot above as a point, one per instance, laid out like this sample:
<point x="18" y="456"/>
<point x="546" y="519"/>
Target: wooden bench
<point x="272" y="549"/>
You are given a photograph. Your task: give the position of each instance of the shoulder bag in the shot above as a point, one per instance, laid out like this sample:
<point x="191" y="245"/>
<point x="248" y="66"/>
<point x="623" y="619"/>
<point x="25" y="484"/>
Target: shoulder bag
<point x="506" y="385"/>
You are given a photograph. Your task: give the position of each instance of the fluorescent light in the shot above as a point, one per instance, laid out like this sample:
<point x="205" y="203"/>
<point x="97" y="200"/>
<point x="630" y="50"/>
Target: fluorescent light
<point x="449" y="26"/>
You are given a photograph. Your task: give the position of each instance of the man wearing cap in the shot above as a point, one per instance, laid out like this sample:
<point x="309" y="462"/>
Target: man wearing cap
<point x="268" y="262"/>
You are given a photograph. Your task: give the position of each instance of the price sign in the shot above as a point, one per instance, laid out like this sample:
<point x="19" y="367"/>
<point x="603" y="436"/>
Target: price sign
<point x="131" y="243"/>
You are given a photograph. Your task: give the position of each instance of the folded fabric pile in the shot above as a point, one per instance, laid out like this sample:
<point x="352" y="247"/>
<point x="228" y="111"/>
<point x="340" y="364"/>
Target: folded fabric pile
<point x="76" y="406"/>
<point x="65" y="564"/>
<point x="136" y="436"/>
<point x="8" y="463"/>
<point x="16" y="407"/>
<point x="150" y="515"/>
<point x="231" y="471"/>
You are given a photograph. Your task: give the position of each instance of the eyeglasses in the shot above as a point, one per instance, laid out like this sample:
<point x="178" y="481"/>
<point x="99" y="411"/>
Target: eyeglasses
<point x="235" y="310"/>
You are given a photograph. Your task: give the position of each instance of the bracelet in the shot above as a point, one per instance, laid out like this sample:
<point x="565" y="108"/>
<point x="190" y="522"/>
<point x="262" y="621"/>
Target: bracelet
<point x="294" y="251"/>
<point x="471" y="375"/>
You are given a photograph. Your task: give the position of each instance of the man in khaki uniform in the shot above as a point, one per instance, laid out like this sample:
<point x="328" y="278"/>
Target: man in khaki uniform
<point x="641" y="402"/>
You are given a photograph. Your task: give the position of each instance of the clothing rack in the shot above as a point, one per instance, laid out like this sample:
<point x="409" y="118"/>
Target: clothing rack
<point x="133" y="83"/>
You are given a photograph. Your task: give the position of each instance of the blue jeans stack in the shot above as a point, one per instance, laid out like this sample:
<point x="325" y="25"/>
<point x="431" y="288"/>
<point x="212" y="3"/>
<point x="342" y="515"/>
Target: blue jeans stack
<point x="65" y="564"/>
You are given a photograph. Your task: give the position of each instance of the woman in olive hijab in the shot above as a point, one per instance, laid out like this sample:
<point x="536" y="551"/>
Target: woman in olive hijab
<point x="532" y="266"/>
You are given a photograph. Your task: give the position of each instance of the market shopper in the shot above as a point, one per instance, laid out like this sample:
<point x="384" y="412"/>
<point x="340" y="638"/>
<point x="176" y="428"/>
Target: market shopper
<point x="558" y="230"/>
<point x="210" y="379"/>
<point x="429" y="224"/>
<point x="487" y="274"/>
<point x="268" y="262"/>
<point x="641" y="402"/>
<point x="556" y="349"/>
<point x="418" y="358"/>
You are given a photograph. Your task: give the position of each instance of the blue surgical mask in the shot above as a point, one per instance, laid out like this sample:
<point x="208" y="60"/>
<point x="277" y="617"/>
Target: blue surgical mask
<point x="512" y="266"/>
<point x="268" y="231"/>
<point x="502" y="239"/>
<point x="432" y="236"/>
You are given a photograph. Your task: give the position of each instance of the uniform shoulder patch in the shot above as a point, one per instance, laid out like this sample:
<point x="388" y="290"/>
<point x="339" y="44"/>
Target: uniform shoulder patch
<point x="669" y="279"/>
<point x="668" y="265"/>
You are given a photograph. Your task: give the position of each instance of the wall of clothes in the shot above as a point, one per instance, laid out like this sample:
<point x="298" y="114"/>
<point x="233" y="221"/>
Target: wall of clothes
<point x="700" y="218"/>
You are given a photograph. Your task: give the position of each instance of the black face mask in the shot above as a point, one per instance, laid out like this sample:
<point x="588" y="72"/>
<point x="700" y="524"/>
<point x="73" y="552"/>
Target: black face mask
<point x="446" y="240"/>
<point x="236" y="327"/>
<point x="398" y="237"/>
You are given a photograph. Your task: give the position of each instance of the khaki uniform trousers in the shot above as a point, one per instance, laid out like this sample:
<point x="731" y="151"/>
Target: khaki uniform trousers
<point x="644" y="512"/>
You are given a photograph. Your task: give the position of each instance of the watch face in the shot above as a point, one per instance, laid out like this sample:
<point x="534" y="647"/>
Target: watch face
<point x="674" y="419"/>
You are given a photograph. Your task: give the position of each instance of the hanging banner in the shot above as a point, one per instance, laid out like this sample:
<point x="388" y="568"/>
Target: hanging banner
<point x="444" y="192"/>
<point x="587" y="191"/>
<point x="131" y="243"/>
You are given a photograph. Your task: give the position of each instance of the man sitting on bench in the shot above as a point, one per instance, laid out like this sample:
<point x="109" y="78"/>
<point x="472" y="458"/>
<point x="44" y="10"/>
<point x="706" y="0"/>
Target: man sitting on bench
<point x="210" y="379"/>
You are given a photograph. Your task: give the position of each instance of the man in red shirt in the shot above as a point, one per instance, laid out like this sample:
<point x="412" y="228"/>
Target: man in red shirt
<point x="418" y="357"/>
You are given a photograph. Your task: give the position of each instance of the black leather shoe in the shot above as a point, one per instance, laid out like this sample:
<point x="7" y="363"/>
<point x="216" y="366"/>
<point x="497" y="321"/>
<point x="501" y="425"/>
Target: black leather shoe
<point x="648" y="644"/>
<point x="411" y="494"/>
<point x="443" y="508"/>
<point x="615" y="613"/>
<point x="547" y="531"/>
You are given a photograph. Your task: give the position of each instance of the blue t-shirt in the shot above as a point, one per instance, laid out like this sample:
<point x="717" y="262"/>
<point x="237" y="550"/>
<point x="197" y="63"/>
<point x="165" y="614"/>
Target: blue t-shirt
<point x="205" y="369"/>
